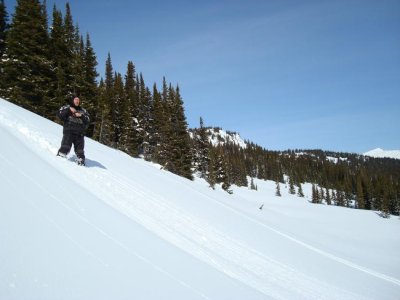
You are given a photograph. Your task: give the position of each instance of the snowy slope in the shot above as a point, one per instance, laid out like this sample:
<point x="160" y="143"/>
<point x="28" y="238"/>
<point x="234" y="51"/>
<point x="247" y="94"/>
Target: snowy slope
<point x="123" y="229"/>
<point x="380" y="153"/>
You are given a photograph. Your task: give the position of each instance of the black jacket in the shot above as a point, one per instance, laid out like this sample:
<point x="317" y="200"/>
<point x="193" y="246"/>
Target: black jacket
<point x="72" y="123"/>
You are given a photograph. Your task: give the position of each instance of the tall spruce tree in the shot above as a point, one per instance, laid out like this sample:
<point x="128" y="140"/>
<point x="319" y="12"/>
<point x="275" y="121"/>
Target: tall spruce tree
<point x="3" y="27"/>
<point x="26" y="62"/>
<point x="71" y="42"/>
<point x="90" y="91"/>
<point x="300" y="192"/>
<point x="132" y="142"/>
<point x="292" y="190"/>
<point x="120" y="114"/>
<point x="328" y="197"/>
<point x="212" y="167"/>
<point x="180" y="159"/>
<point x="58" y="48"/>
<point x="3" y="35"/>
<point x="202" y="154"/>
<point x="360" y="194"/>
<point x="162" y="128"/>
<point x="104" y="126"/>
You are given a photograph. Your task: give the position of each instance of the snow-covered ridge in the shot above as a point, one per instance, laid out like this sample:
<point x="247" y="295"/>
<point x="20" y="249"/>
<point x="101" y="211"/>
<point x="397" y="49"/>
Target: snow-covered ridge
<point x="121" y="228"/>
<point x="380" y="153"/>
<point x="218" y="136"/>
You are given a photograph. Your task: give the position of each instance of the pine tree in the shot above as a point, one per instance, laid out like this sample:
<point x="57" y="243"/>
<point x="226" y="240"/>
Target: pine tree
<point x="278" y="189"/>
<point x="104" y="128"/>
<point x="252" y="185"/>
<point x="292" y="190"/>
<point x="385" y="206"/>
<point x="58" y="48"/>
<point x="212" y="167"/>
<point x="321" y="194"/>
<point x="340" y="198"/>
<point x="328" y="197"/>
<point x="70" y="56"/>
<point x="180" y="161"/>
<point x="26" y="63"/>
<point x="360" y="194"/>
<point x="201" y="153"/>
<point x="133" y="142"/>
<point x="120" y="114"/>
<point x="300" y="191"/>
<point x="220" y="168"/>
<point x="3" y="27"/>
<point x="3" y="36"/>
<point x="89" y="91"/>
<point x="315" y="195"/>
<point x="145" y="118"/>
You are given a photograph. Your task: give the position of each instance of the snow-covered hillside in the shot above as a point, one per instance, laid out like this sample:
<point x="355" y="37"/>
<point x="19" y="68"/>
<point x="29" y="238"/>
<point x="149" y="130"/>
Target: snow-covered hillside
<point x="218" y="136"/>
<point x="121" y="228"/>
<point x="380" y="153"/>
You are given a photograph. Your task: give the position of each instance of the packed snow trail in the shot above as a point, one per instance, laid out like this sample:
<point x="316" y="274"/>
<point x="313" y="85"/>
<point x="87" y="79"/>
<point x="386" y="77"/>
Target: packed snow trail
<point x="170" y="214"/>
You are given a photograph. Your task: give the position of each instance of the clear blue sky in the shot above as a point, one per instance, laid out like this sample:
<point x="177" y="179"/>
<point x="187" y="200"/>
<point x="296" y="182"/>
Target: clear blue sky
<point x="284" y="74"/>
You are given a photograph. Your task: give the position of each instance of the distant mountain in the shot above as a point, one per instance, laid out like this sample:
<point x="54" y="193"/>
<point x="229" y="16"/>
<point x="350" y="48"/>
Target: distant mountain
<point x="380" y="153"/>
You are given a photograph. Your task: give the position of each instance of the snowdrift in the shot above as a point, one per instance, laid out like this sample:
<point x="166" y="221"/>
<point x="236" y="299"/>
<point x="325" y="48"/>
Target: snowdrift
<point x="121" y="228"/>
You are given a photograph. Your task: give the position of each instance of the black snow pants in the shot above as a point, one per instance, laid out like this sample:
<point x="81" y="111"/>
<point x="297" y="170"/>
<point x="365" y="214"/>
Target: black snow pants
<point x="78" y="140"/>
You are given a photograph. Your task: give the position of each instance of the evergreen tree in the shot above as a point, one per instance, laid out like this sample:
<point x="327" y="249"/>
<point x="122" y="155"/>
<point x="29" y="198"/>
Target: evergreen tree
<point x="385" y="206"/>
<point x="292" y="190"/>
<point x="89" y="92"/>
<point x="360" y="194"/>
<point x="328" y="197"/>
<point x="300" y="190"/>
<point x="105" y="130"/>
<point x="70" y="56"/>
<point x="212" y="167"/>
<point x="26" y="63"/>
<point x="201" y="153"/>
<point x="278" y="189"/>
<point x="180" y="161"/>
<point x="220" y="168"/>
<point x="3" y="27"/>
<point x="252" y="185"/>
<point x="321" y="194"/>
<point x="58" y="48"/>
<point x="120" y="114"/>
<point x="315" y="195"/>
<point x="340" y="198"/>
<point x="3" y="36"/>
<point x="133" y="142"/>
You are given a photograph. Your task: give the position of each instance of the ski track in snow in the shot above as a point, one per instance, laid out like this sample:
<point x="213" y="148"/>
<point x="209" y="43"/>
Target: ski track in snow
<point x="310" y="247"/>
<point x="98" y="229"/>
<point x="191" y="233"/>
<point x="222" y="252"/>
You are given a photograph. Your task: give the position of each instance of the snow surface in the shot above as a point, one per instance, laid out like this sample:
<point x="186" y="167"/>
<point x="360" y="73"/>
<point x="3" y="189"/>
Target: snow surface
<point x="380" y="153"/>
<point x="121" y="228"/>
